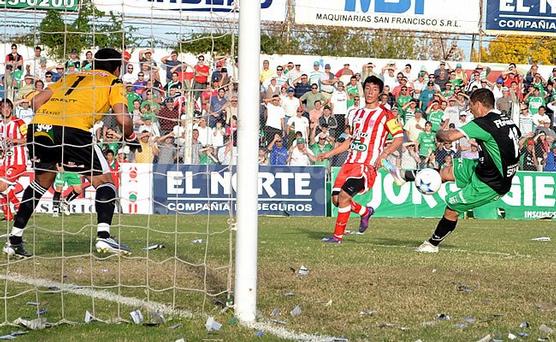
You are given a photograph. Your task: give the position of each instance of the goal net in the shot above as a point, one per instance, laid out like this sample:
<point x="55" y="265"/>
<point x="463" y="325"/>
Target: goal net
<point x="176" y="198"/>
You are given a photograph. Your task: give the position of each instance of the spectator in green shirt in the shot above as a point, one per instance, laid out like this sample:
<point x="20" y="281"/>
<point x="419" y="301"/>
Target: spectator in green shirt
<point x="435" y="116"/>
<point x="426" y="141"/>
<point x="322" y="145"/>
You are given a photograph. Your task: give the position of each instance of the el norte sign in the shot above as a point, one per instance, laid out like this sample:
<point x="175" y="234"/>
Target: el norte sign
<point x="521" y="17"/>
<point x="454" y="16"/>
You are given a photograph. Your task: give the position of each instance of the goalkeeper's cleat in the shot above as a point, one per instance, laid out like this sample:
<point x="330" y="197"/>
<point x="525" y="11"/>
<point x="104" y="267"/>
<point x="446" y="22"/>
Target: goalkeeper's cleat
<point x="65" y="207"/>
<point x="112" y="246"/>
<point x="427" y="247"/>
<point x="332" y="239"/>
<point x="17" y="251"/>
<point x="394" y="172"/>
<point x="364" y="223"/>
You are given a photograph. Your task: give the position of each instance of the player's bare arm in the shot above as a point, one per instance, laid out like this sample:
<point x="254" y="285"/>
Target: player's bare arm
<point x="394" y="146"/>
<point x="337" y="150"/>
<point x="41" y="98"/>
<point x="449" y="135"/>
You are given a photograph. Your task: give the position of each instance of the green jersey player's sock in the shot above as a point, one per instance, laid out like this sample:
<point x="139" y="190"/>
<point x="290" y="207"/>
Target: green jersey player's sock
<point x="443" y="228"/>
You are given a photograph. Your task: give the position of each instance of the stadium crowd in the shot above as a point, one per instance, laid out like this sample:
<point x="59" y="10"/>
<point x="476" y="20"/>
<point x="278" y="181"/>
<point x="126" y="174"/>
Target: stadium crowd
<point x="302" y="112"/>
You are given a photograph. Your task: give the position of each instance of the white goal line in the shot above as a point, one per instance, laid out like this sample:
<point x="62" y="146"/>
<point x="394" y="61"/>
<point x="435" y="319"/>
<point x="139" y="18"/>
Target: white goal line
<point x="155" y="306"/>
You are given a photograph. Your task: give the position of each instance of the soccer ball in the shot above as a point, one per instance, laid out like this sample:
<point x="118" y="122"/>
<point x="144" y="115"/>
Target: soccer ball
<point x="428" y="181"/>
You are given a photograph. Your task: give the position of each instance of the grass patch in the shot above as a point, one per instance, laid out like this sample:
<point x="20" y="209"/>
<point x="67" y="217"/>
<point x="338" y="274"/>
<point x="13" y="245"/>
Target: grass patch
<point x="489" y="271"/>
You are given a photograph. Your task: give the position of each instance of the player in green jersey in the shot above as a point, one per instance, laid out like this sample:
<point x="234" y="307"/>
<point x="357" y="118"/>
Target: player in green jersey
<point x="72" y="180"/>
<point x="480" y="181"/>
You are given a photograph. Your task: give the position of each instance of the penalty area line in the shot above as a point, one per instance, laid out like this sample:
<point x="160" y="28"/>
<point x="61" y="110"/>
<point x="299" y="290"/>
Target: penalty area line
<point x="290" y="335"/>
<point x="98" y="294"/>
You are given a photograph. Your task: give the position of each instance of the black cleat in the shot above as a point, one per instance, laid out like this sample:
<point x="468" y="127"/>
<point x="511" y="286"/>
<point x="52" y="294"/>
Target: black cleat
<point x="17" y="251"/>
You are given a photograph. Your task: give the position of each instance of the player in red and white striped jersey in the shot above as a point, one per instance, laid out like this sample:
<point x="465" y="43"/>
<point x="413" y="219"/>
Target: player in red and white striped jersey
<point x="369" y="129"/>
<point x="13" y="133"/>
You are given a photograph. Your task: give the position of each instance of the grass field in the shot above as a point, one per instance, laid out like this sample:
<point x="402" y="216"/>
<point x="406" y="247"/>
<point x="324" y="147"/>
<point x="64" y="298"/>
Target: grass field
<point x="488" y="278"/>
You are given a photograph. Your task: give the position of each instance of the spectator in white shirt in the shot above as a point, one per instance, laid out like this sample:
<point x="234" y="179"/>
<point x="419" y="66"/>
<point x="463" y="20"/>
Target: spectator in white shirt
<point x="275" y="119"/>
<point x="290" y="103"/>
<point x="300" y="155"/>
<point x="24" y="112"/>
<point x="299" y="123"/>
<point x="339" y="100"/>
<point x="415" y="125"/>
<point x="129" y="76"/>
<point x="205" y="132"/>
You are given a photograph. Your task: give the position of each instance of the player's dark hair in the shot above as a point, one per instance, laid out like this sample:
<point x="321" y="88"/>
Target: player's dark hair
<point x="4" y="102"/>
<point x="107" y="59"/>
<point x="484" y="96"/>
<point x="374" y="80"/>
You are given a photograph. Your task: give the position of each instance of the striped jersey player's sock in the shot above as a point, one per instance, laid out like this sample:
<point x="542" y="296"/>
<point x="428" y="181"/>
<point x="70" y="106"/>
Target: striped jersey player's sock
<point x="358" y="208"/>
<point x="341" y="222"/>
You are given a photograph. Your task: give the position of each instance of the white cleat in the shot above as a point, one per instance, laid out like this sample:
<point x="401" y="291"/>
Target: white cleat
<point x="112" y="246"/>
<point x="55" y="213"/>
<point x="65" y="207"/>
<point x="427" y="247"/>
<point x="394" y="171"/>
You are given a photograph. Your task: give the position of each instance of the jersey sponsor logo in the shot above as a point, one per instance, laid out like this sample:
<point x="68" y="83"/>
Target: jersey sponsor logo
<point x="512" y="169"/>
<point x="358" y="146"/>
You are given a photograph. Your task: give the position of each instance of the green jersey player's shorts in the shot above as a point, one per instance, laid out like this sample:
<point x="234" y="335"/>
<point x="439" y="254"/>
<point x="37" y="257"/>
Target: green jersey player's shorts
<point x="472" y="191"/>
<point x="69" y="178"/>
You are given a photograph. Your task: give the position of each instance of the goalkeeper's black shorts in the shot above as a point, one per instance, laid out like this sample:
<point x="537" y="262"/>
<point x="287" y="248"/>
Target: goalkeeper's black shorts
<point x="70" y="147"/>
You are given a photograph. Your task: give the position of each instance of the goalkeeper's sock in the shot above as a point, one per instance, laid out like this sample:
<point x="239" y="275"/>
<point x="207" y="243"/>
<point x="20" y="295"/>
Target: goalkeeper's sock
<point x="31" y="197"/>
<point x="443" y="229"/>
<point x="56" y="200"/>
<point x="341" y="222"/>
<point x="358" y="208"/>
<point x="72" y="196"/>
<point x="408" y="175"/>
<point x="105" y="205"/>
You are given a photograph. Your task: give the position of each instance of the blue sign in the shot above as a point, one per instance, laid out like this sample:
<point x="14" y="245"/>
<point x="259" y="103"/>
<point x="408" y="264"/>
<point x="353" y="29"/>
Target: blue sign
<point x="208" y="5"/>
<point x="526" y="16"/>
<point x="385" y="6"/>
<point x="200" y="189"/>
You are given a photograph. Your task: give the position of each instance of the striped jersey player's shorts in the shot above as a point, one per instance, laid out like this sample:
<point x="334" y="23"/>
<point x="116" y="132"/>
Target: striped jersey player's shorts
<point x="13" y="172"/>
<point x="354" y="179"/>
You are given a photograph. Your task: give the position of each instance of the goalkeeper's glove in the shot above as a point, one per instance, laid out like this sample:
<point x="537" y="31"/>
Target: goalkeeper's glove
<point x="133" y="143"/>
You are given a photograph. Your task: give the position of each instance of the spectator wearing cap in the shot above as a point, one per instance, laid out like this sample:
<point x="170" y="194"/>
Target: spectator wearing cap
<point x="73" y="61"/>
<point x="24" y="111"/>
<point x="421" y="82"/>
<point x="313" y="96"/>
<point x="57" y="72"/>
<point x="497" y="89"/>
<point x="320" y="144"/>
<point x="389" y="76"/>
<point x="316" y="76"/>
<point x="300" y="155"/>
<point x="275" y="119"/>
<point x="266" y="73"/>
<point x="168" y="62"/>
<point x="299" y="123"/>
<point x="327" y="120"/>
<point x="534" y="100"/>
<point x="168" y="116"/>
<point x="461" y="75"/>
<point x="302" y="86"/>
<point x="14" y="58"/>
<point x="278" y="151"/>
<point x="290" y="103"/>
<point x="402" y="85"/>
<point x="146" y="57"/>
<point x="327" y="85"/>
<point x="27" y="87"/>
<point x="550" y="165"/>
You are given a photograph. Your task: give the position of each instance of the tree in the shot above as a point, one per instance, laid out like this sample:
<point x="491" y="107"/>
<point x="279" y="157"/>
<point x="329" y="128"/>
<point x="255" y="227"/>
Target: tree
<point x="90" y="29"/>
<point x="440" y="47"/>
<point x="520" y="49"/>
